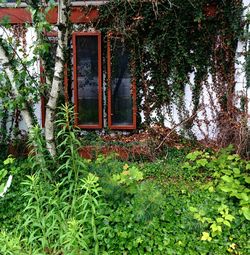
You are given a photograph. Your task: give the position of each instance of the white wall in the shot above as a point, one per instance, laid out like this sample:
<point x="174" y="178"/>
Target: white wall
<point x="207" y="113"/>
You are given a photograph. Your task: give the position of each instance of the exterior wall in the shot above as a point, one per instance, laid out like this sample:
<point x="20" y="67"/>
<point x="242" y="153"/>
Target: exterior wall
<point x="200" y="129"/>
<point x="203" y="129"/>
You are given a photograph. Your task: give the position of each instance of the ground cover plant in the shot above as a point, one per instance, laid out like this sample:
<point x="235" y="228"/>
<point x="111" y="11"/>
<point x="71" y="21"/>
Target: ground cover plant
<point x="184" y="203"/>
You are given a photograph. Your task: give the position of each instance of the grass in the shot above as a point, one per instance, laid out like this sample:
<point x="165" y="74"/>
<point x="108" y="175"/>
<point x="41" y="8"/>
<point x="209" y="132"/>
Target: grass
<point x="143" y="216"/>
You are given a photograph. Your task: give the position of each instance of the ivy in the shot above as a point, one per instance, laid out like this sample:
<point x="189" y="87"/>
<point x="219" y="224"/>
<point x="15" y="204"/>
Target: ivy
<point x="170" y="40"/>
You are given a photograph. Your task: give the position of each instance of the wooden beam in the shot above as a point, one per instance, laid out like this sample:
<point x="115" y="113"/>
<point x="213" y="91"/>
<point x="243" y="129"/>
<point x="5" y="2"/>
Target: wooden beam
<point x="21" y="15"/>
<point x="15" y="15"/>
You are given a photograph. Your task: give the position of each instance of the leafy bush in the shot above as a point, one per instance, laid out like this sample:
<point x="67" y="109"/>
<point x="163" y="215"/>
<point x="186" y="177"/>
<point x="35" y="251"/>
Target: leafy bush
<point x="230" y="173"/>
<point x="105" y="206"/>
<point x="227" y="181"/>
<point x="12" y="204"/>
<point x="3" y="173"/>
<point x="59" y="215"/>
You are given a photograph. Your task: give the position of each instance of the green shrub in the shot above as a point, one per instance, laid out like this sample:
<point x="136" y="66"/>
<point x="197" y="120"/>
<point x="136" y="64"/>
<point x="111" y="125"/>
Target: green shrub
<point x="226" y="180"/>
<point x="60" y="213"/>
<point x="230" y="174"/>
<point x="105" y="206"/>
<point x="12" y="204"/>
<point x="3" y="173"/>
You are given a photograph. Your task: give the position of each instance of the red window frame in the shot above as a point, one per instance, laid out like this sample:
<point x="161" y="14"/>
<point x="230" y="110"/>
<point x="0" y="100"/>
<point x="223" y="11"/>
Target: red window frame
<point x="109" y="73"/>
<point x="76" y="103"/>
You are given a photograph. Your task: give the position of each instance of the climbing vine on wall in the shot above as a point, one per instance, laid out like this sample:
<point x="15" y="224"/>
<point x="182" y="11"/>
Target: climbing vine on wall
<point x="9" y="107"/>
<point x="172" y="40"/>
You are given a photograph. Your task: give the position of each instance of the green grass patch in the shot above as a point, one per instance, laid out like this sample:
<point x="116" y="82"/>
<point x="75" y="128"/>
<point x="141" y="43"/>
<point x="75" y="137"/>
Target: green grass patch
<point x="174" y="205"/>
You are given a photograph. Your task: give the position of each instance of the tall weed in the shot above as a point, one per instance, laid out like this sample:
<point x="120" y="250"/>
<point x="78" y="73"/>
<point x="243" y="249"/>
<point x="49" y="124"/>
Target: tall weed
<point x="62" y="201"/>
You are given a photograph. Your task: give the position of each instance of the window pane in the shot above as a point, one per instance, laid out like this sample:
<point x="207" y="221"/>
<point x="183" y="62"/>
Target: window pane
<point x="121" y="86"/>
<point x="87" y="79"/>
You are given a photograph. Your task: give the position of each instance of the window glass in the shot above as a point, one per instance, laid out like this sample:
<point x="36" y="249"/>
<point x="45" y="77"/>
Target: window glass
<point x="87" y="79"/>
<point x="121" y="85"/>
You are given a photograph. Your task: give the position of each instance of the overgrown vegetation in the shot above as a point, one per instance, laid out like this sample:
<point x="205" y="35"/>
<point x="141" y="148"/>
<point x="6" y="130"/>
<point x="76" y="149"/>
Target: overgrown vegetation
<point x="174" y="46"/>
<point x="173" y="205"/>
<point x="19" y="79"/>
<point x="177" y="45"/>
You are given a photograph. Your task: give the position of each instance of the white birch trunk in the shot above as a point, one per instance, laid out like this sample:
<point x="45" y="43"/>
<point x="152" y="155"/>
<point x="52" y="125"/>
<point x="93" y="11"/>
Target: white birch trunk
<point x="10" y="74"/>
<point x="57" y="79"/>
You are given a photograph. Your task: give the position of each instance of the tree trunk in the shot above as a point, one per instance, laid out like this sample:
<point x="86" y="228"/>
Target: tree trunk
<point x="58" y="76"/>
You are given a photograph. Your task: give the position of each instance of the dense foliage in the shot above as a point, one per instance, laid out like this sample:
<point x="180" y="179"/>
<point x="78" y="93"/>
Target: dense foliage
<point x="178" y="43"/>
<point x="196" y="205"/>
<point x="172" y="43"/>
<point x="172" y="39"/>
<point x="105" y="206"/>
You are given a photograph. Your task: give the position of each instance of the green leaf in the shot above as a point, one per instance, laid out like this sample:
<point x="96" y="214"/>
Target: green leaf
<point x="202" y="162"/>
<point x="215" y="228"/>
<point x="197" y="216"/>
<point x="244" y="196"/>
<point x="187" y="166"/>
<point x="231" y="157"/>
<point x="5" y="21"/>
<point x="3" y="173"/>
<point x="211" y="189"/>
<point x="225" y="188"/>
<point x="227" y="172"/>
<point x="2" y="187"/>
<point x="8" y="161"/>
<point x="247" y="179"/>
<point x="193" y="209"/>
<point x="227" y="178"/>
<point x="227" y="223"/>
<point x="236" y="171"/>
<point x="229" y="217"/>
<point x="246" y="212"/>
<point x="219" y="220"/>
<point x="193" y="155"/>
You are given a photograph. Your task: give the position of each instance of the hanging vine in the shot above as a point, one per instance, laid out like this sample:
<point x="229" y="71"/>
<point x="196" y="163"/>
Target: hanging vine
<point x="172" y="40"/>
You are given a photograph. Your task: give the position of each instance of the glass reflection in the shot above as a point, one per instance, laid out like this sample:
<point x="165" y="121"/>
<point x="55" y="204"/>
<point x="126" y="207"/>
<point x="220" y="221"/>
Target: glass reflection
<point x="87" y="78"/>
<point x="121" y="87"/>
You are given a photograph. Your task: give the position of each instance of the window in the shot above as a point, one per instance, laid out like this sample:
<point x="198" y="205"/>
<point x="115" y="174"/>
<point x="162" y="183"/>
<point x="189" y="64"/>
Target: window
<point x="121" y="87"/>
<point x="87" y="82"/>
<point x="87" y="79"/>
